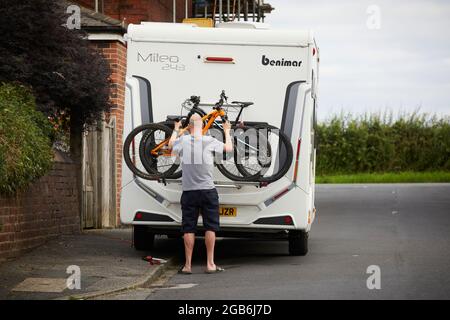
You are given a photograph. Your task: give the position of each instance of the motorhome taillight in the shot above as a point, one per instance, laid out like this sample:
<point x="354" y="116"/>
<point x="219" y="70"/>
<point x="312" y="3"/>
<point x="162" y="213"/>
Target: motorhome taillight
<point x="138" y="216"/>
<point x="219" y="59"/>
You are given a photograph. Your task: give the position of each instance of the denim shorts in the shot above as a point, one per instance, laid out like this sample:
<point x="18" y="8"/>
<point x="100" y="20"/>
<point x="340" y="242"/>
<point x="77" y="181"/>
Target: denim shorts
<point x="204" y="202"/>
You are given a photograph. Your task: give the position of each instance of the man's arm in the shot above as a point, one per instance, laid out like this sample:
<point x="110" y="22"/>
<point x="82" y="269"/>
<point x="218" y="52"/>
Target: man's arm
<point x="174" y="135"/>
<point x="228" y="146"/>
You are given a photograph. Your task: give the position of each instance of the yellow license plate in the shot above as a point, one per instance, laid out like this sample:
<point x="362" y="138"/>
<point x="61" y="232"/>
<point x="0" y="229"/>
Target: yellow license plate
<point x="228" y="212"/>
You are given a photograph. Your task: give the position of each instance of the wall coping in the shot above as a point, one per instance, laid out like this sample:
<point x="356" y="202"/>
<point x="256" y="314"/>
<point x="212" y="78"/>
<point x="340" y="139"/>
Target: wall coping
<point x="106" y="37"/>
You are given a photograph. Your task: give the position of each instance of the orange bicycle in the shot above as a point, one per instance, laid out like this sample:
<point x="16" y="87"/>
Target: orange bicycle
<point x="148" y="156"/>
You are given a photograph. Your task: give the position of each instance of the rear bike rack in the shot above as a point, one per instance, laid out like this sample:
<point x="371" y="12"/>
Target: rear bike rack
<point x="221" y="184"/>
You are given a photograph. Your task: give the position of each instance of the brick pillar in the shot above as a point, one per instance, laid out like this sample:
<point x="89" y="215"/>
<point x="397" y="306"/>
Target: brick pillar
<point x="115" y="53"/>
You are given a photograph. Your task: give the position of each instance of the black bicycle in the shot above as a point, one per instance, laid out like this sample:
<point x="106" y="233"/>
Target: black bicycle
<point x="261" y="153"/>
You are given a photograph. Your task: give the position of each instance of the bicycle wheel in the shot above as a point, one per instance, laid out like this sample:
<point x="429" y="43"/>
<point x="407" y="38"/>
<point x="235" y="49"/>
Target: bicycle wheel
<point x="177" y="174"/>
<point x="147" y="144"/>
<point x="255" y="153"/>
<point x="156" y="166"/>
<point x="239" y="166"/>
<point x="281" y="153"/>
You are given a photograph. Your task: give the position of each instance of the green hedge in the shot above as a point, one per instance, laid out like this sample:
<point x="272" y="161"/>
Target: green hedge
<point x="25" y="147"/>
<point x="366" y="144"/>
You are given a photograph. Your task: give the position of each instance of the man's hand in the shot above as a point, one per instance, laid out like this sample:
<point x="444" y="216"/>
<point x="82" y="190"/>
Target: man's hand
<point x="228" y="147"/>
<point x="177" y="125"/>
<point x="174" y="136"/>
<point x="227" y="126"/>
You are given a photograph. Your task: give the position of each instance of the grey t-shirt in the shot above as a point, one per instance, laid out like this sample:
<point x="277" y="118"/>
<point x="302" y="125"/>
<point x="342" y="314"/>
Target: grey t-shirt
<point x="197" y="160"/>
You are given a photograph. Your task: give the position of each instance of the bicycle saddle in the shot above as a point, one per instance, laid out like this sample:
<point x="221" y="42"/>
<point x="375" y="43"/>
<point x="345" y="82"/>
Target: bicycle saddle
<point x="243" y="104"/>
<point x="175" y="118"/>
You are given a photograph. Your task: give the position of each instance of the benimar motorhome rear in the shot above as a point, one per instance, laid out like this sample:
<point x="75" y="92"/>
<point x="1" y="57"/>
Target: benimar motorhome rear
<point x="275" y="69"/>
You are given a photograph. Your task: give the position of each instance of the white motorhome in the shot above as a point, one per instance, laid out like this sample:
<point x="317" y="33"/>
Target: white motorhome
<point x="275" y="69"/>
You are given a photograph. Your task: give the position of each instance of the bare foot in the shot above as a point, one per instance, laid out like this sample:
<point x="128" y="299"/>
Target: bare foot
<point x="216" y="269"/>
<point x="185" y="270"/>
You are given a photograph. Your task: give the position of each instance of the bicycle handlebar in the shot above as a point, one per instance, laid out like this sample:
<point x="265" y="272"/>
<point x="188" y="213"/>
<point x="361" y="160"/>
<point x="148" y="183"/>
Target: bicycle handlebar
<point x="195" y="100"/>
<point x="223" y="96"/>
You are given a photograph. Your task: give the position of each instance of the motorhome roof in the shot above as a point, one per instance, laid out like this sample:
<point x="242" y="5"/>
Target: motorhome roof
<point x="188" y="33"/>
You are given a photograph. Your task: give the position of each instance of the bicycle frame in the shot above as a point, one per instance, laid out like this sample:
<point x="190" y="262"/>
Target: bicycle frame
<point x="210" y="118"/>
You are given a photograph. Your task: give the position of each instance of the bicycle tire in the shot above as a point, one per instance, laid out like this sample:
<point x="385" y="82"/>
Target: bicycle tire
<point x="261" y="140"/>
<point x="178" y="174"/>
<point x="144" y="145"/>
<point x="126" y="152"/>
<point x="284" y="168"/>
<point x="230" y="175"/>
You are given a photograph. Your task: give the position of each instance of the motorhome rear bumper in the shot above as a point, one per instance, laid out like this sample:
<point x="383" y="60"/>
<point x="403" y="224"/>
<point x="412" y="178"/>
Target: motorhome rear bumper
<point x="229" y="231"/>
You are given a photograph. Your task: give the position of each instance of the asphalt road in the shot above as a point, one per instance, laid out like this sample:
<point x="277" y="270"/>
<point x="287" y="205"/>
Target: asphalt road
<point x="403" y="229"/>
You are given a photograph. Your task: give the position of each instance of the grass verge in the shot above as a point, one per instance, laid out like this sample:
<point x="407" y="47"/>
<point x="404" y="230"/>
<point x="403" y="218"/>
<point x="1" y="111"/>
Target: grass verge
<point x="389" y="177"/>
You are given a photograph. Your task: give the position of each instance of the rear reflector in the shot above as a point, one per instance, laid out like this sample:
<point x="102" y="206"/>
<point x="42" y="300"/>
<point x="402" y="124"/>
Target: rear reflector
<point x="279" y="221"/>
<point x="282" y="193"/>
<point x="147" y="216"/>
<point x="271" y="200"/>
<point x="288" y="220"/>
<point x="219" y="59"/>
<point x="299" y="144"/>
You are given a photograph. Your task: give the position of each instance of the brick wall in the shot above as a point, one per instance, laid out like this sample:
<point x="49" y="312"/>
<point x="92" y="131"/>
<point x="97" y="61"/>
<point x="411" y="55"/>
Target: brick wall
<point x="135" y="11"/>
<point x="115" y="53"/>
<point x="48" y="208"/>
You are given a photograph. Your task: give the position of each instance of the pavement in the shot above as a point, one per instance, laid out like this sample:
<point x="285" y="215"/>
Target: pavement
<point x="106" y="260"/>
<point x="402" y="230"/>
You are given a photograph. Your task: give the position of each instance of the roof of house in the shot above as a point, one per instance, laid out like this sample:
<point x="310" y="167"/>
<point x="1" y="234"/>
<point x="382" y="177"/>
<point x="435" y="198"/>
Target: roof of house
<point x="92" y="21"/>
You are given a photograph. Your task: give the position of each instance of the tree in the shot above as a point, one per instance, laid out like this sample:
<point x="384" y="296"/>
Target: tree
<point x="63" y="71"/>
<point x="58" y="64"/>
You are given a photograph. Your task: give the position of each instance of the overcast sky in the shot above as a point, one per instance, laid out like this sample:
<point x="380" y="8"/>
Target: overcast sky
<point x="403" y="65"/>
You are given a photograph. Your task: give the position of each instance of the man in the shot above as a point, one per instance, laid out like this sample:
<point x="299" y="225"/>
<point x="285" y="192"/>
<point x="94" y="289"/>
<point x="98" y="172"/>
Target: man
<point x="199" y="193"/>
